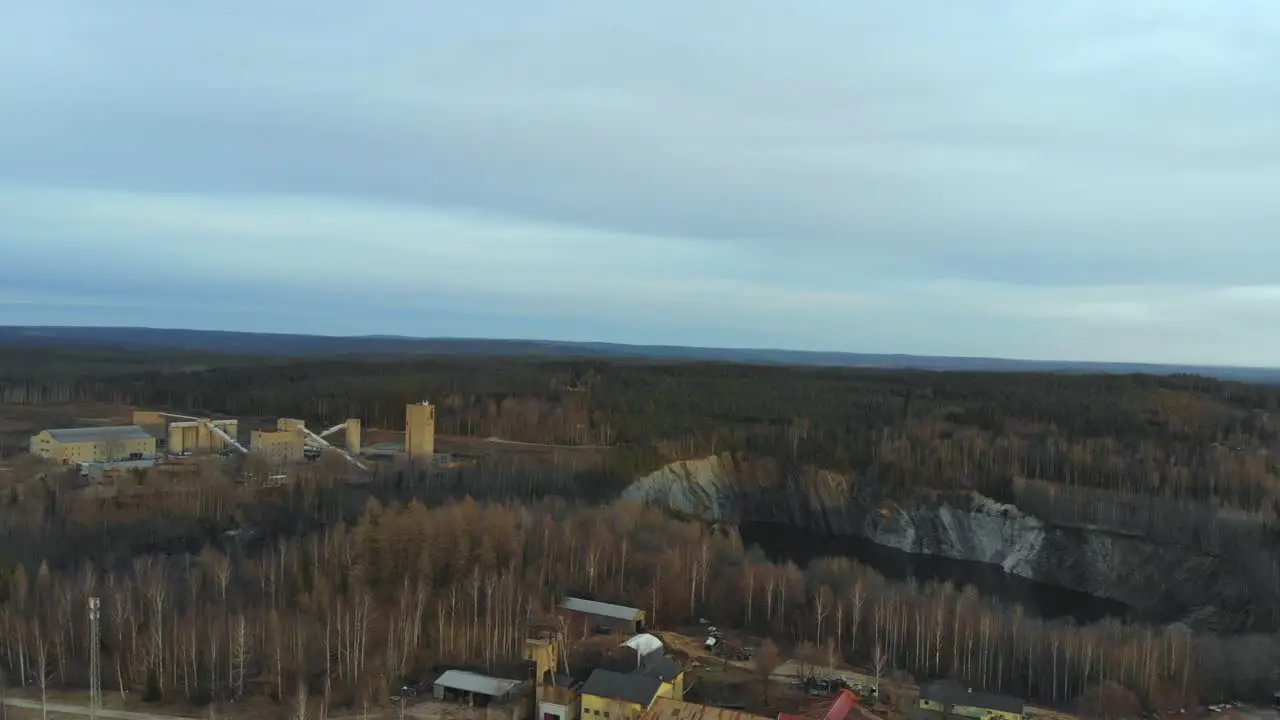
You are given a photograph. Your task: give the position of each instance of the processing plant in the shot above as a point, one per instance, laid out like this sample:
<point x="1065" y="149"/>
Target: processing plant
<point x="156" y="435"/>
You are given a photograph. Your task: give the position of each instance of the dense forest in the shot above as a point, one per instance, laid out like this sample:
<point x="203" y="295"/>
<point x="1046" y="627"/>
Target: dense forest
<point x="345" y="592"/>
<point x="349" y="612"/>
<point x="1151" y="435"/>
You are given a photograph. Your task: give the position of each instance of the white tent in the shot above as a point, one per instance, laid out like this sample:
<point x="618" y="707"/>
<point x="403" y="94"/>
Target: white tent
<point x="643" y="644"/>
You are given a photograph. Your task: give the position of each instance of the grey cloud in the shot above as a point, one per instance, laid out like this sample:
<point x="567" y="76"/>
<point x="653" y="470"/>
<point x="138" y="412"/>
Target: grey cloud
<point x="1128" y="142"/>
<point x="701" y="135"/>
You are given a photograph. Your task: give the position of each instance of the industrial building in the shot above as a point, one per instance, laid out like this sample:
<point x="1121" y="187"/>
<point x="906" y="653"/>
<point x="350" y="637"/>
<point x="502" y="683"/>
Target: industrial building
<point x="945" y="699"/>
<point x="559" y="702"/>
<point x="291" y="441"/>
<point x="610" y="695"/>
<point x="155" y="423"/>
<point x="94" y="444"/>
<point x="420" y="430"/>
<point x="557" y="696"/>
<point x="626" y="696"/>
<point x="191" y="437"/>
<point x="419" y="443"/>
<point x="278" y="445"/>
<point x="673" y="709"/>
<point x="188" y="435"/>
<point x="476" y="688"/>
<point x="617" y="618"/>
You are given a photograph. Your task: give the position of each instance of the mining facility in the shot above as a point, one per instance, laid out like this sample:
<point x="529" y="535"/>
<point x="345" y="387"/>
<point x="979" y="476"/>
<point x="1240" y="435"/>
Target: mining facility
<point x="168" y="438"/>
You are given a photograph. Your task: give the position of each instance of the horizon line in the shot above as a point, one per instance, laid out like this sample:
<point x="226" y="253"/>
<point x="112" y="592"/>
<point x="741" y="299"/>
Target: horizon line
<point x="642" y="346"/>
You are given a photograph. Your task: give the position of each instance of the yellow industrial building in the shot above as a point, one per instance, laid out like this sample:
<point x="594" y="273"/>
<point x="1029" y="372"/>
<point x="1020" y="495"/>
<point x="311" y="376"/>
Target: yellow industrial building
<point x="188" y="435"/>
<point x="277" y="446"/>
<point x="672" y="709"/>
<point x="282" y="444"/>
<point x="196" y="436"/>
<point x="94" y="444"/>
<point x="289" y="440"/>
<point x="154" y="422"/>
<point x="609" y="695"/>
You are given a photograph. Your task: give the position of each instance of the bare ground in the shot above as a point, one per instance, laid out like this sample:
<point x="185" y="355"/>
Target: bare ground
<point x="19" y="422"/>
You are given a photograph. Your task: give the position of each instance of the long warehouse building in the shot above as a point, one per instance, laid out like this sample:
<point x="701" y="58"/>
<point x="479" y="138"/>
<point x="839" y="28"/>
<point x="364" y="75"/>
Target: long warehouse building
<point x="94" y="444"/>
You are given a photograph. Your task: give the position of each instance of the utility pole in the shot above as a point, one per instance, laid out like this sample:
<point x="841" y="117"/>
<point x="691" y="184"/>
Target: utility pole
<point x="95" y="666"/>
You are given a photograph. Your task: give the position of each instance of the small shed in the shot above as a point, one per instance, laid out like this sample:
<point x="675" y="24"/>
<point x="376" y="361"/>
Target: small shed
<point x="616" y="618"/>
<point x="476" y="688"/>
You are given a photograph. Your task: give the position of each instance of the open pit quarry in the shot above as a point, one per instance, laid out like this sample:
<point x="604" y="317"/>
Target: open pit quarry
<point x="1158" y="581"/>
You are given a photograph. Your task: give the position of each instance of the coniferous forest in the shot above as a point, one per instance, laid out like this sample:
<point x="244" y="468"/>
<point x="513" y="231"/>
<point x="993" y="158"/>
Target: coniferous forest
<point x="334" y="593"/>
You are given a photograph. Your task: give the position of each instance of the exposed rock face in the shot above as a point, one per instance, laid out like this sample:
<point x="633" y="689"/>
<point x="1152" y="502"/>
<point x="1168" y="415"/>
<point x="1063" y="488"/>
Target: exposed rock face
<point x="705" y="489"/>
<point x="1158" y="581"/>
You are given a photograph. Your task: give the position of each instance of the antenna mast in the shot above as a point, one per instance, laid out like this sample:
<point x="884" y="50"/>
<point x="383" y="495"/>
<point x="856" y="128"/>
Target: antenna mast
<point x="95" y="667"/>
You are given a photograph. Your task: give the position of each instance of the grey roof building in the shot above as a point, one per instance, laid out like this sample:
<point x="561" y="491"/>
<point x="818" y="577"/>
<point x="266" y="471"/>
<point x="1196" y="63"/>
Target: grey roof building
<point x="99" y="434"/>
<point x="618" y="618"/>
<point x="950" y="694"/>
<point x="630" y="687"/>
<point x="662" y="667"/>
<point x="473" y="683"/>
<point x="594" y="607"/>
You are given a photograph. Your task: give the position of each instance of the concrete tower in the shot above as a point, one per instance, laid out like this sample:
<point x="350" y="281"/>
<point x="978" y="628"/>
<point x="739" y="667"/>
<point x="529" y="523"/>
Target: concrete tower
<point x="353" y="436"/>
<point x="420" y="429"/>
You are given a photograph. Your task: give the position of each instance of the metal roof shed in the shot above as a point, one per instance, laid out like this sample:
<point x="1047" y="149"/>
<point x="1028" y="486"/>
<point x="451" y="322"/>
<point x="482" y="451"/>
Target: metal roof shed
<point x="473" y="683"/>
<point x="616" y="618"/>
<point x="609" y="610"/>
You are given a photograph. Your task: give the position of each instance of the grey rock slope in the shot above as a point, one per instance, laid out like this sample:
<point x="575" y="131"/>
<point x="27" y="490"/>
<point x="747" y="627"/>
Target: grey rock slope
<point x="1160" y="582"/>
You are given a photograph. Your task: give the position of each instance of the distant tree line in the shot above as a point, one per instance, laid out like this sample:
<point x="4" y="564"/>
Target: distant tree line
<point x="1170" y="436"/>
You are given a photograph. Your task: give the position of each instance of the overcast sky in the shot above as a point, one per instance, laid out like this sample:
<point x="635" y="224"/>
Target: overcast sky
<point x="1058" y="180"/>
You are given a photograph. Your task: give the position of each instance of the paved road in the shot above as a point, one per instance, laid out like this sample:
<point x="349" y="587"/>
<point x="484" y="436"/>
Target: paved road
<point x="56" y="708"/>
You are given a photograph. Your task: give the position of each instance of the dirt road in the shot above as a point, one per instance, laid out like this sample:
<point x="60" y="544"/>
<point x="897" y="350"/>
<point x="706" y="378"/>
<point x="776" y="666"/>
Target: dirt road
<point x="57" y="708"/>
<point x="790" y="670"/>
